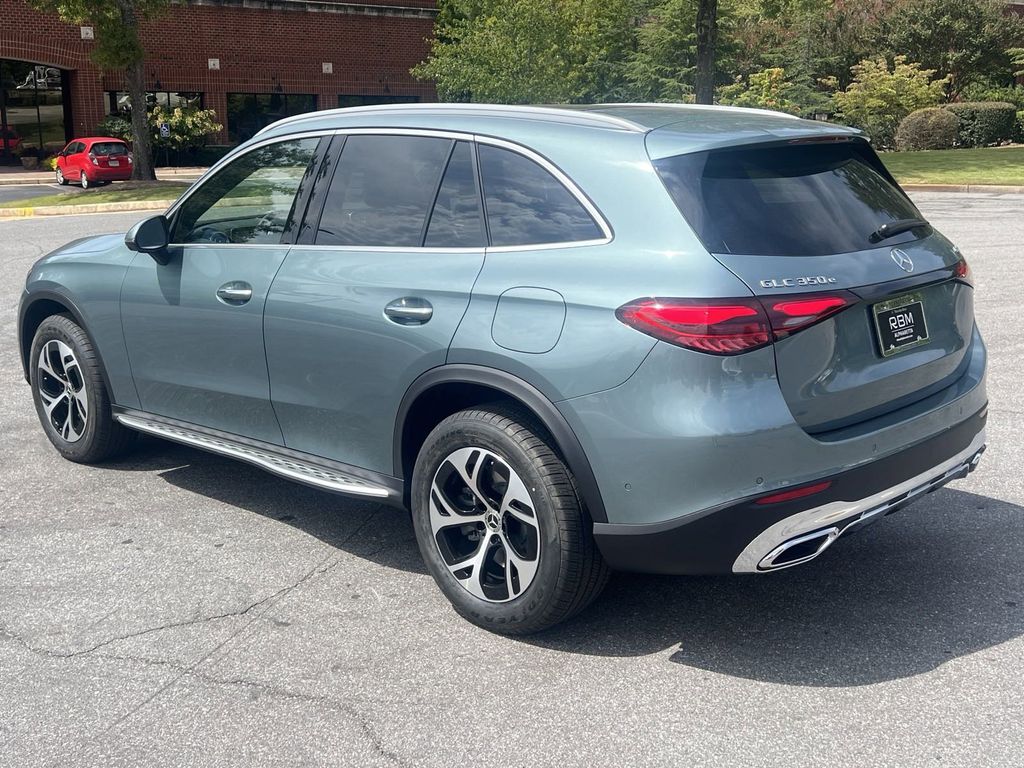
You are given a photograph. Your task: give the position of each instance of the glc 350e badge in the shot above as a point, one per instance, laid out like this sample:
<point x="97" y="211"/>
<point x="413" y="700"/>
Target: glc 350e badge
<point x="797" y="282"/>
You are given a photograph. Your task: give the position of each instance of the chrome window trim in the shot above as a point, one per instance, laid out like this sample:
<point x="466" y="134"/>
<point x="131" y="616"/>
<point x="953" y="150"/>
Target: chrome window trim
<point x="563" y="179"/>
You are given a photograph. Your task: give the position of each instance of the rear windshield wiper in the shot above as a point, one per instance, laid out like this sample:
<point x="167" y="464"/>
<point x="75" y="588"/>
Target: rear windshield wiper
<point x="894" y="228"/>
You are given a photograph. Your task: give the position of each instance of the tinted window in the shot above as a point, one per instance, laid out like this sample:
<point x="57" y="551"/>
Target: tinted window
<point x="109" y="148"/>
<point x="796" y="200"/>
<point x="250" y="199"/>
<point x="382" y="191"/>
<point x="527" y="205"/>
<point x="456" y="221"/>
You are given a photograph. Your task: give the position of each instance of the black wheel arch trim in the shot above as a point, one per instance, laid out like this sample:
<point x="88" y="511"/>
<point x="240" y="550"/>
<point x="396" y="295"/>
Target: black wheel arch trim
<point x="28" y="300"/>
<point x="512" y="386"/>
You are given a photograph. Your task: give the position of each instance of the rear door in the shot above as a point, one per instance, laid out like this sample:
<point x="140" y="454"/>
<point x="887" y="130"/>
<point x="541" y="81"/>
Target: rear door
<point x="373" y="291"/>
<point x="816" y="219"/>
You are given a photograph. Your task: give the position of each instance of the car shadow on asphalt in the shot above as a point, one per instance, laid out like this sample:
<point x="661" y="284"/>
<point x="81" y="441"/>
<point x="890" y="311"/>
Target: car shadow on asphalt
<point x="939" y="580"/>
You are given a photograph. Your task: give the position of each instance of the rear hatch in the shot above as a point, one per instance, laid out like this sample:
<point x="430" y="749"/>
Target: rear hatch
<point x="109" y="154"/>
<point x="822" y="218"/>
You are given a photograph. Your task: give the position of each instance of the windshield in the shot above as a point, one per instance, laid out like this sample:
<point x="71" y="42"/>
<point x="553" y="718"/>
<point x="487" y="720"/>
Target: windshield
<point x="788" y="200"/>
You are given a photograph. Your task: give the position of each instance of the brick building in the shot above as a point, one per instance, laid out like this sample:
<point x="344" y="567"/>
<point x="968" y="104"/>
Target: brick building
<point x="253" y="61"/>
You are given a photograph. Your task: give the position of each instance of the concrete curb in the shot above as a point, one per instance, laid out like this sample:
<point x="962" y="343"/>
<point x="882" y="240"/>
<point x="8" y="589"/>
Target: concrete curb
<point x="997" y="188"/>
<point x="68" y="210"/>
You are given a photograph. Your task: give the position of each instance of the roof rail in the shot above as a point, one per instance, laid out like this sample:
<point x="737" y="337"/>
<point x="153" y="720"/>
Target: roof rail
<point x="597" y="118"/>
<point x="697" y="107"/>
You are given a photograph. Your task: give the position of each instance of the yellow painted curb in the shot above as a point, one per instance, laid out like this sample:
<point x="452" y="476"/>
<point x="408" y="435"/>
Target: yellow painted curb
<point x="65" y="210"/>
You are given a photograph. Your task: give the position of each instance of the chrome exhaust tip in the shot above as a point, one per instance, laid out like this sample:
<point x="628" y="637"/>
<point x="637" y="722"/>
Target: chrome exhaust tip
<point x="798" y="550"/>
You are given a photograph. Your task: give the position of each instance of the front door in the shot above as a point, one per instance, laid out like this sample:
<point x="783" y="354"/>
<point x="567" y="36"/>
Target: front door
<point x="194" y="326"/>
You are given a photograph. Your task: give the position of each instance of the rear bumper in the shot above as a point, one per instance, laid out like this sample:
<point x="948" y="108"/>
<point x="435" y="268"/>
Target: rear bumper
<point x="747" y="537"/>
<point x="109" y="174"/>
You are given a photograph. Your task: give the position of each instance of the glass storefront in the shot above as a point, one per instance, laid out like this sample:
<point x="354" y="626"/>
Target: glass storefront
<point x="120" y="103"/>
<point x="32" y="109"/>
<point x="249" y="112"/>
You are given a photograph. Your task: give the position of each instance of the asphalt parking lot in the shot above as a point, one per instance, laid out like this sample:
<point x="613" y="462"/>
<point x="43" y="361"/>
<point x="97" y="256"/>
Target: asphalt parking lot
<point x="177" y="608"/>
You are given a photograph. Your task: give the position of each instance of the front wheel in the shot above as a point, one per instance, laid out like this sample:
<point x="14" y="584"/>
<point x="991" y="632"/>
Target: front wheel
<point x="70" y="396"/>
<point x="60" y="177"/>
<point x="500" y="525"/>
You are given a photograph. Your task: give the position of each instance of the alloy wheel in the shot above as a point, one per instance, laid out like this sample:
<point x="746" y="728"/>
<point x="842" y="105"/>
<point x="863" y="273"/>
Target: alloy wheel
<point x="60" y="176"/>
<point x="484" y="524"/>
<point x="85" y="181"/>
<point x="62" y="392"/>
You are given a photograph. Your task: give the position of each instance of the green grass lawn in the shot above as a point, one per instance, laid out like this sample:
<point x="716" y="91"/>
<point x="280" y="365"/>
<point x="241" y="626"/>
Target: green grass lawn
<point x="992" y="165"/>
<point x="116" y="193"/>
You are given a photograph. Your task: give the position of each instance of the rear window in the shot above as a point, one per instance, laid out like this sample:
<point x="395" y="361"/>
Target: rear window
<point x="792" y="200"/>
<point x="104" y="148"/>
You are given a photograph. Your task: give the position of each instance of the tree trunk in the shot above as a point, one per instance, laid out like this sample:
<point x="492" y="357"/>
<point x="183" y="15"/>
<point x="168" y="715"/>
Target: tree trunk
<point x="142" y="152"/>
<point x="707" y="34"/>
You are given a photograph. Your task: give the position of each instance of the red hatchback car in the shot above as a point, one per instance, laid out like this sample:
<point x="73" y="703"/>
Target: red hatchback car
<point x="94" y="160"/>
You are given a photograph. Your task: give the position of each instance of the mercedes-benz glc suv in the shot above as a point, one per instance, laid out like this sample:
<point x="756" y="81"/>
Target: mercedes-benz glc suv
<point x="662" y="338"/>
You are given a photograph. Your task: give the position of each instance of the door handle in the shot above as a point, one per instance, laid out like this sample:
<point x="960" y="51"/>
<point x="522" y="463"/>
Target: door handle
<point x="409" y="310"/>
<point x="235" y="293"/>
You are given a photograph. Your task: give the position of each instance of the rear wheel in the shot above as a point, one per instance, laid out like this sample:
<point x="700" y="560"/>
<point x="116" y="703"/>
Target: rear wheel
<point x="500" y="525"/>
<point x="70" y="397"/>
<point x="84" y="180"/>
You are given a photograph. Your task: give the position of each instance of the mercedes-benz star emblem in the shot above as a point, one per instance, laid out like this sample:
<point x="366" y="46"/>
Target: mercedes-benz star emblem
<point x="902" y="259"/>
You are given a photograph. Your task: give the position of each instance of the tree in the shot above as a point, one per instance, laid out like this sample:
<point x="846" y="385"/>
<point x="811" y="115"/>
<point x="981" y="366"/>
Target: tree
<point x="964" y="40"/>
<point x="118" y="48"/>
<point x="880" y="97"/>
<point x="768" y="89"/>
<point x="707" y="38"/>
<point x="531" y="51"/>
<point x="663" y="66"/>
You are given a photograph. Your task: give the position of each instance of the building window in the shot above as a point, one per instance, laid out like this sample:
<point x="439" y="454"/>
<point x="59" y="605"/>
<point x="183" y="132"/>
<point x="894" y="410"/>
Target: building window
<point x="363" y="100"/>
<point x="249" y="112"/>
<point x="32" y="112"/>
<point x="120" y="103"/>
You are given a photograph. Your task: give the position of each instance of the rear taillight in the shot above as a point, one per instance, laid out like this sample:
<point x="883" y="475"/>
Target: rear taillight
<point x="717" y="326"/>
<point x="129" y="159"/>
<point x="962" y="272"/>
<point x="95" y="160"/>
<point x="730" y="326"/>
<point x="794" y="313"/>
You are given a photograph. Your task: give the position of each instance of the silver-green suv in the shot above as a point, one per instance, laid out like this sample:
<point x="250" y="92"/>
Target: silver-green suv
<point x="673" y="339"/>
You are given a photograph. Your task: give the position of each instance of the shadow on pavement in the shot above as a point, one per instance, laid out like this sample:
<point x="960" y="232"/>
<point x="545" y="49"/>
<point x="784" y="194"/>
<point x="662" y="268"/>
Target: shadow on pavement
<point x="941" y="579"/>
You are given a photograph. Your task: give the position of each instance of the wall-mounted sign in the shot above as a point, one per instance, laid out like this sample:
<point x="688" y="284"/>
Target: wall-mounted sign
<point x="87" y="33"/>
<point x="213" y="63"/>
<point x="328" y="67"/>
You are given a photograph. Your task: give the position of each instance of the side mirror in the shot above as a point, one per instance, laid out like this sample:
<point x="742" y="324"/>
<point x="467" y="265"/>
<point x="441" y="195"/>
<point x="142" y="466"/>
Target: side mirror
<point x="150" y="236"/>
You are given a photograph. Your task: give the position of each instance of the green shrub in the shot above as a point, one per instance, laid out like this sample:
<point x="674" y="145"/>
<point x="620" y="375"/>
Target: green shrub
<point x="928" y="128"/>
<point x="983" y="122"/>
<point x="879" y="97"/>
<point x="1019" y="129"/>
<point x="115" y="128"/>
<point x="1013" y="94"/>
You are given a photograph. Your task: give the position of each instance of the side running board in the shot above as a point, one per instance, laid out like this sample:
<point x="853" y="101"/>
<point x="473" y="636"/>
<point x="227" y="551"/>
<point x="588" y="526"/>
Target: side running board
<point x="280" y="463"/>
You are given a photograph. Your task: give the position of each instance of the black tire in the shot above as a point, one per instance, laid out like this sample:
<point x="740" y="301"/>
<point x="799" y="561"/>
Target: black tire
<point x="101" y="437"/>
<point x="570" y="572"/>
